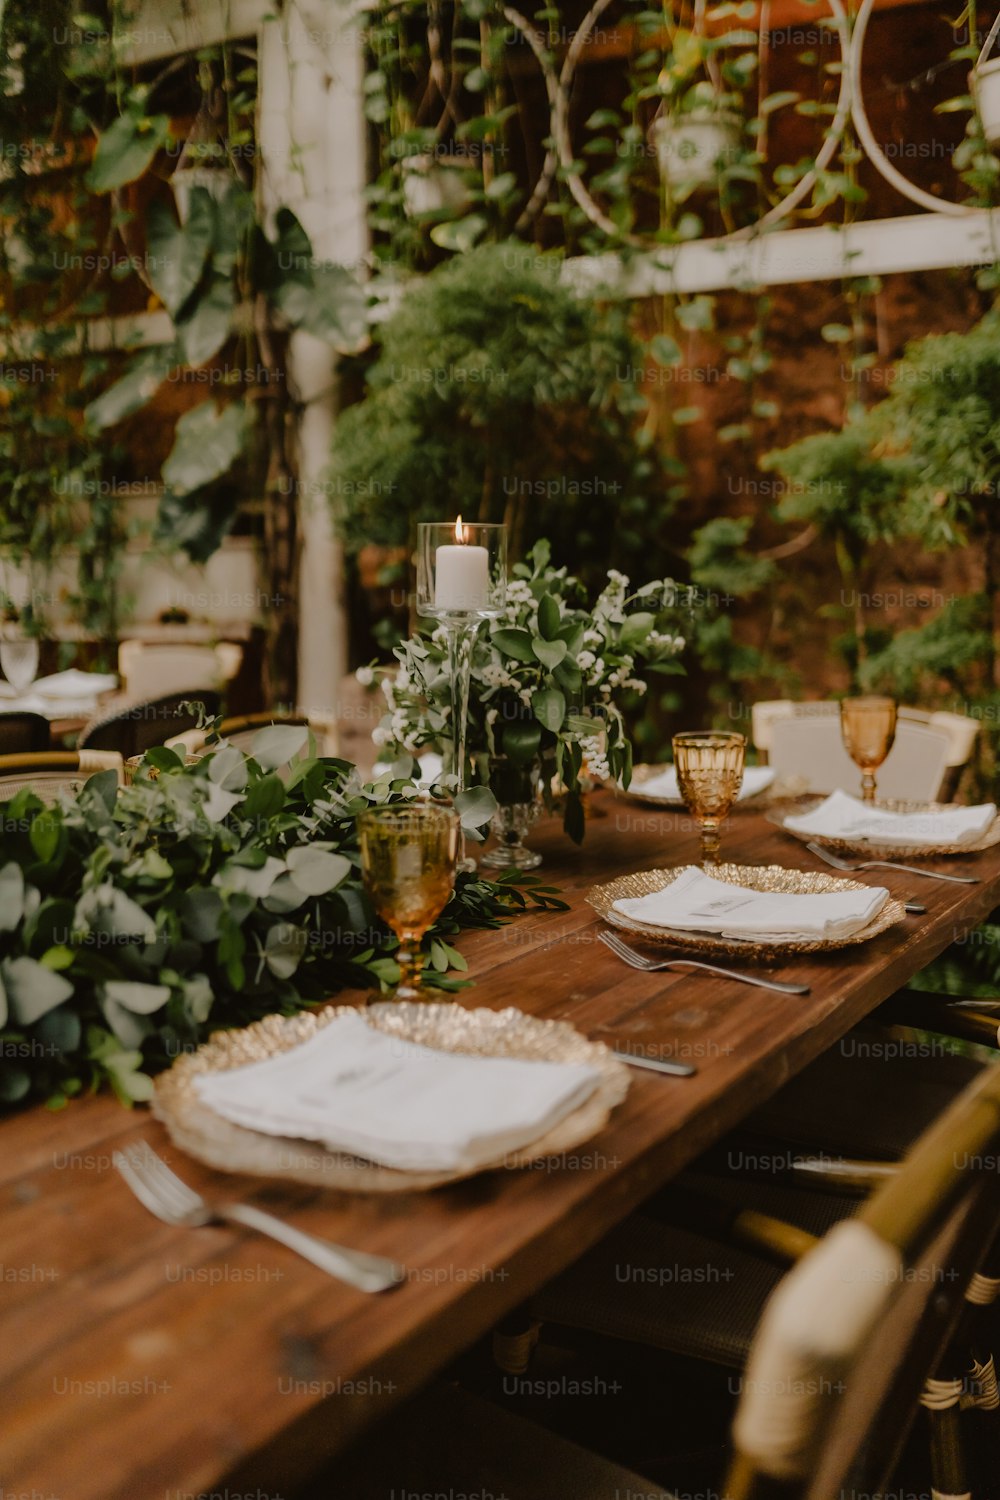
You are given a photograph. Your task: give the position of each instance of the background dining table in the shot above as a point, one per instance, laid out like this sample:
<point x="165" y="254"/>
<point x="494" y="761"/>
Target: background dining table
<point x="137" y="1360"/>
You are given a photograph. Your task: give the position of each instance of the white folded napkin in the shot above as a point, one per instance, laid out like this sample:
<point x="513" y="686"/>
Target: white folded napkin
<point x="844" y="817"/>
<point x="75" y="684"/>
<point x="695" y="902"/>
<point x="664" y="784"/>
<point x="371" y="1095"/>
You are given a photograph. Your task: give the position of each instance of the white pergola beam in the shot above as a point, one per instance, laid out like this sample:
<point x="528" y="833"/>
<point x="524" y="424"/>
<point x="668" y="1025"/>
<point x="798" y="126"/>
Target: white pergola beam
<point x="880" y="247"/>
<point x="163" y="28"/>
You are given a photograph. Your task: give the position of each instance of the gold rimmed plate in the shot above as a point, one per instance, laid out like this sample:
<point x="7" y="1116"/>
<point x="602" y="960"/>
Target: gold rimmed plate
<point x="752" y="877"/>
<point x="781" y="787"/>
<point x="205" y="1135"/>
<point x="871" y="848"/>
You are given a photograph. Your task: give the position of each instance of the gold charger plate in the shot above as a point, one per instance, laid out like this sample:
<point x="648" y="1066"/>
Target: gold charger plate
<point x="873" y="850"/>
<point x="205" y="1135"/>
<point x="756" y="878"/>
<point x="781" y="787"/>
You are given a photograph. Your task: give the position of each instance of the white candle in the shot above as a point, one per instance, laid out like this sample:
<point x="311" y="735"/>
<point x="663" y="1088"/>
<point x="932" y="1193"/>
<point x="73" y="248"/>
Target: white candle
<point x="461" y="575"/>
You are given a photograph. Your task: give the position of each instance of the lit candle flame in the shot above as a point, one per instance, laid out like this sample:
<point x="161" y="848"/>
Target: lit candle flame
<point x="459" y="530"/>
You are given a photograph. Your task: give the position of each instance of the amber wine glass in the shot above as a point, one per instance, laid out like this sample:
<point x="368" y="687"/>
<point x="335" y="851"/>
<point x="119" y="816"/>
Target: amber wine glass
<point x="409" y="856"/>
<point x="709" y="768"/>
<point x="868" y="729"/>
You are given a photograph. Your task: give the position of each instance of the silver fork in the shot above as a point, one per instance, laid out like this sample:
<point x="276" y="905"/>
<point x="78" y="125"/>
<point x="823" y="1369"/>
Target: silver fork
<point x="649" y="965"/>
<point x="165" y="1195"/>
<point x="886" y="864"/>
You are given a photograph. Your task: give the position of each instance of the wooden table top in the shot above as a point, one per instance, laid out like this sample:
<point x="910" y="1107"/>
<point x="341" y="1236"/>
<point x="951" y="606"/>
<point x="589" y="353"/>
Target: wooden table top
<point x="136" y="1359"/>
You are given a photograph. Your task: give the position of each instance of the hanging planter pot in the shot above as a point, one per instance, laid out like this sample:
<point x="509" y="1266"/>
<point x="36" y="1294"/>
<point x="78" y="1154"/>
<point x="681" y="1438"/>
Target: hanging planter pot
<point x="435" y="185"/>
<point x="984" y="85"/>
<point x="692" y="148"/>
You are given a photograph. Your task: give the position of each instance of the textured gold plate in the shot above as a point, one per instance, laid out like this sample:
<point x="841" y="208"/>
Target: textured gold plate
<point x="205" y="1135"/>
<point x="756" y="878"/>
<point x="781" y="787"/>
<point x="872" y="850"/>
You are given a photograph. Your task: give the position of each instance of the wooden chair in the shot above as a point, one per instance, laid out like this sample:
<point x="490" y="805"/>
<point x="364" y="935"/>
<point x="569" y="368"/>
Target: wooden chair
<point x="21" y="732"/>
<point x="49" y="773"/>
<point x="132" y="727"/>
<point x="803" y="739"/>
<point x="741" y="1228"/>
<point x="846" y="1342"/>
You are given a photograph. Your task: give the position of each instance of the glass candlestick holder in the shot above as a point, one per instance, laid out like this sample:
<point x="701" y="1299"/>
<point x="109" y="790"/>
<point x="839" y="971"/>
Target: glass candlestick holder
<point x="461" y="581"/>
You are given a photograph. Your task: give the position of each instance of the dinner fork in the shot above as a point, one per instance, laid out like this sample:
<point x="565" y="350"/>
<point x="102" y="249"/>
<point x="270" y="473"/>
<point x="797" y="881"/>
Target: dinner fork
<point x="165" y="1195"/>
<point x="649" y="965"/>
<point x="886" y="864"/>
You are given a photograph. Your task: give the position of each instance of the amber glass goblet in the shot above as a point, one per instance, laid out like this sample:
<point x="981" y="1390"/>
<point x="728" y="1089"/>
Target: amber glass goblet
<point x="868" y="729"/>
<point x="409" y="855"/>
<point x="709" y="768"/>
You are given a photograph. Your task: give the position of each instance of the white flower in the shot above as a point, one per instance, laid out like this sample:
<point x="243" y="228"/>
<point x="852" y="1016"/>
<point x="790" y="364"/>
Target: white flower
<point x="586" y="659"/>
<point x="380" y="736"/>
<point x="365" y="676"/>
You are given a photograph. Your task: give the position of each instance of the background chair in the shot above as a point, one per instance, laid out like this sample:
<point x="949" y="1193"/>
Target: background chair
<point x="132" y="727"/>
<point x="803" y="739"/>
<point x="51" y="772"/>
<point x="159" y="668"/>
<point x="23" y="732"/>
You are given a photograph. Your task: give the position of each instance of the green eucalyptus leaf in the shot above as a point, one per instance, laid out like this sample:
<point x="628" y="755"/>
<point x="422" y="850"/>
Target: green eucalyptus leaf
<point x="207" y="443"/>
<point x="549" y="707"/>
<point x="317" y="871"/>
<point x="460" y="234"/>
<point x="284" y="948"/>
<point x="549" y="653"/>
<point x="265" y="798"/>
<point x="475" y="806"/>
<point x="176" y="253"/>
<point x="204" y="326"/>
<point x="133" y="390"/>
<point x="126" y="149"/>
<point x="32" y="989"/>
<point x="275" y="746"/>
<point x="59" y="1029"/>
<point x="15" y="1082"/>
<point x="12" y="891"/>
<point x="549" y="618"/>
<point x="515" y="642"/>
<point x="228" y="768"/>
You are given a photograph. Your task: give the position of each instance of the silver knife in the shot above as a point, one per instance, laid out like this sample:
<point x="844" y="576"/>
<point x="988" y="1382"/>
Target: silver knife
<point x="676" y="1070"/>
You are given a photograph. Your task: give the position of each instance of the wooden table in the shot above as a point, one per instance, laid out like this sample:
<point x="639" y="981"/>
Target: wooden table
<point x="137" y="1360"/>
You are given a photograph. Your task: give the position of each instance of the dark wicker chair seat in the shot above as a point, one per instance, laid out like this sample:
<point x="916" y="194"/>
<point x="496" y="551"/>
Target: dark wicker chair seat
<point x="132" y="727"/>
<point x="22" y="733"/>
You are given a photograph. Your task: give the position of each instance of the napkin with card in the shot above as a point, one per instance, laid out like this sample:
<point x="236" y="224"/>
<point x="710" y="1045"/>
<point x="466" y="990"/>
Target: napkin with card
<point x="696" y="902"/>
<point x="841" y="816"/>
<point x="372" y="1095"/>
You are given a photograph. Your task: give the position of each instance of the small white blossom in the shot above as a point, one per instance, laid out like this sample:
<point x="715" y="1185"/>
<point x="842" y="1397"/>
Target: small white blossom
<point x="380" y="736"/>
<point x="365" y="676"/>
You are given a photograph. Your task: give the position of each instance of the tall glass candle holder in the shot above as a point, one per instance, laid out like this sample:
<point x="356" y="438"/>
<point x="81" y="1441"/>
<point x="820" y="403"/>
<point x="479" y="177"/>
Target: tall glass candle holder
<point x="461" y="581"/>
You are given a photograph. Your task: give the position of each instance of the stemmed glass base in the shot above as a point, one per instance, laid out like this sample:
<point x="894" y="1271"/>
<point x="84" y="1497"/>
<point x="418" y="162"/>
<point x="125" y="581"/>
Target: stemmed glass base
<point x="711" y="844"/>
<point x="462" y="630"/>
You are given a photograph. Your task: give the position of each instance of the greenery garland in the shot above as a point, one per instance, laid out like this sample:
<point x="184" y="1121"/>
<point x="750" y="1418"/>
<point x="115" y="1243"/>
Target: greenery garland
<point x="136" y="920"/>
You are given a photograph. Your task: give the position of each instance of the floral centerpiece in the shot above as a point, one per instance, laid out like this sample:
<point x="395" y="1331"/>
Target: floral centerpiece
<point x="551" y="679"/>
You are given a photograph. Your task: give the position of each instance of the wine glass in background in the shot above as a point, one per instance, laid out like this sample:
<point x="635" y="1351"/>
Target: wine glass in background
<point x="19" y="661"/>
<point x="868" y="729"/>
<point x="709" y="768"/>
<point x="409" y="856"/>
